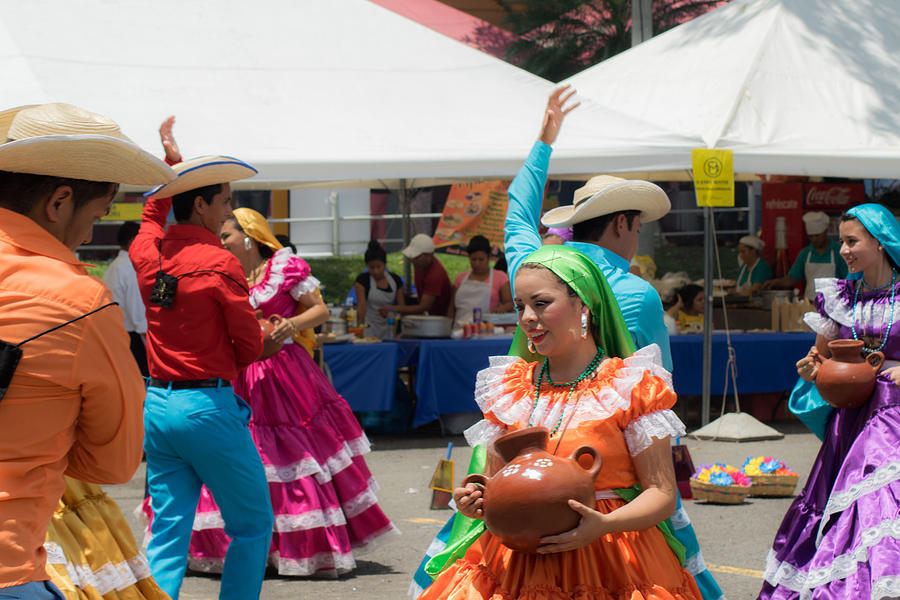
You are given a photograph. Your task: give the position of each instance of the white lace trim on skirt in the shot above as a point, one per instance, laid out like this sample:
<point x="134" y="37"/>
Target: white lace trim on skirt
<point x="840" y="501"/>
<point x="108" y="578"/>
<point x="843" y="566"/>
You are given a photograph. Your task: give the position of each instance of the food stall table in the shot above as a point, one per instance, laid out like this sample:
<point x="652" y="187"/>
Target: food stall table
<point x="765" y="361"/>
<point x="366" y="374"/>
<point x="445" y="375"/>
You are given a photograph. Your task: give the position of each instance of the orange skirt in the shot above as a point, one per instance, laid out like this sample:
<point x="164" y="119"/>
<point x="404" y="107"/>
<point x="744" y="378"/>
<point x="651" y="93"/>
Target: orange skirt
<point x="634" y="565"/>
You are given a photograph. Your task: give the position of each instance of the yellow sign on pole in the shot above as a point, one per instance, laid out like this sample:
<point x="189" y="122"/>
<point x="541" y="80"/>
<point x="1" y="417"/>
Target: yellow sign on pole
<point x="713" y="176"/>
<point x="125" y="211"/>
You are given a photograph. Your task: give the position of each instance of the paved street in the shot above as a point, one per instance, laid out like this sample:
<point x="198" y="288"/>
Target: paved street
<point x="734" y="539"/>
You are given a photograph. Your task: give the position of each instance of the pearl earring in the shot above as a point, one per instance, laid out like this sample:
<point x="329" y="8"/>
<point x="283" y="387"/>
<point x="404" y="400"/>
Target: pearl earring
<point x="584" y="326"/>
<point x="247" y="244"/>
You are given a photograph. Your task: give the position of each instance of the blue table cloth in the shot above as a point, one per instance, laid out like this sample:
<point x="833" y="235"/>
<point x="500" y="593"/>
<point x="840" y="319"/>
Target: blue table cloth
<point x="765" y="361"/>
<point x="445" y="377"/>
<point x="364" y="374"/>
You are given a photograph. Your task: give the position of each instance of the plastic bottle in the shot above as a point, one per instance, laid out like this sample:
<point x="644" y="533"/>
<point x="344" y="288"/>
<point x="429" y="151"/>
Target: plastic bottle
<point x="351" y="316"/>
<point x="391" y="326"/>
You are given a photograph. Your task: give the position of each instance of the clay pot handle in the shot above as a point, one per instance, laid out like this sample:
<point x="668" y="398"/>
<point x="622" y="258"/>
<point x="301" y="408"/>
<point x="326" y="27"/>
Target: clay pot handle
<point x="877" y="362"/>
<point x="476" y="478"/>
<point x="276" y="319"/>
<point x="595" y="468"/>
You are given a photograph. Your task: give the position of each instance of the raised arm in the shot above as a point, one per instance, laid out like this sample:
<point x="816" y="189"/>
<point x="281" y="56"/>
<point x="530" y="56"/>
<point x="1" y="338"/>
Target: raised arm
<point x="526" y="192"/>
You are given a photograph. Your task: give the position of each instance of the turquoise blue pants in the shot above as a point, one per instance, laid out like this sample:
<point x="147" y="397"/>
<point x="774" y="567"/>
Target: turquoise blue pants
<point x="195" y="437"/>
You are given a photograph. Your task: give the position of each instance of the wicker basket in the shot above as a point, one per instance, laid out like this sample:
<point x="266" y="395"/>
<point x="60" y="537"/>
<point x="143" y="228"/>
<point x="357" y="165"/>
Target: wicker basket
<point x="719" y="494"/>
<point x="773" y="486"/>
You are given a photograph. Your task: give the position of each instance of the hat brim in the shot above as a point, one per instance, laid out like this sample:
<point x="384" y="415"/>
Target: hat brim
<point x="90" y="157"/>
<point x="411" y="253"/>
<point x="627" y="195"/>
<point x="201" y="172"/>
<point x="6" y="119"/>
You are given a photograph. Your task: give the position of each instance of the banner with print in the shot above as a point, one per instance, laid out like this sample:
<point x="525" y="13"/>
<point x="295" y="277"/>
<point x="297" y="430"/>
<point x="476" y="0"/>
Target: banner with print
<point x="473" y="209"/>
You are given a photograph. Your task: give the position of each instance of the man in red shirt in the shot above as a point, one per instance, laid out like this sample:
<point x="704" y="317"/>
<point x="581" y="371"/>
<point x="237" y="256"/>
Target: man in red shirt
<point x="201" y="332"/>
<point x="432" y="282"/>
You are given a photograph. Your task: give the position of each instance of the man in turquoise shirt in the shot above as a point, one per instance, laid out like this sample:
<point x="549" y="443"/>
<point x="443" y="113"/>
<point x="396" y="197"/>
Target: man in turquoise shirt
<point x="822" y="258"/>
<point x="605" y="217"/>
<point x="602" y="229"/>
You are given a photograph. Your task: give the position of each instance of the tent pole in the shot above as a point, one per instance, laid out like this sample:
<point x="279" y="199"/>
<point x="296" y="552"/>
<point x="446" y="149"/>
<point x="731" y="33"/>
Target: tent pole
<point x="707" y="312"/>
<point x="405" y="204"/>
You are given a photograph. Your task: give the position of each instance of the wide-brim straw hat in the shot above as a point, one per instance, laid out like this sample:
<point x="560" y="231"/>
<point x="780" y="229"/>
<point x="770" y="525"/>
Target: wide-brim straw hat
<point x="605" y="194"/>
<point x="203" y="171"/>
<point x="61" y="140"/>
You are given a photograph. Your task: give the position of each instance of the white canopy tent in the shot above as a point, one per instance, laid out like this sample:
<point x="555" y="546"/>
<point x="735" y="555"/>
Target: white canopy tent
<point x="328" y="93"/>
<point x="792" y="86"/>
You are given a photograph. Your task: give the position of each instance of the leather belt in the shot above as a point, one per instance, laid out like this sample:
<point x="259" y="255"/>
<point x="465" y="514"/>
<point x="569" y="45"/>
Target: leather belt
<point x="189" y="383"/>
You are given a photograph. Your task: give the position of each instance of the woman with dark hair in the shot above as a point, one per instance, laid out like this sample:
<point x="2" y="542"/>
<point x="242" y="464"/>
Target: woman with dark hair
<point x="688" y="309"/>
<point x="375" y="288"/>
<point x="311" y="445"/>
<point x="480" y="287"/>
<point x="581" y="379"/>
<point x="841" y="536"/>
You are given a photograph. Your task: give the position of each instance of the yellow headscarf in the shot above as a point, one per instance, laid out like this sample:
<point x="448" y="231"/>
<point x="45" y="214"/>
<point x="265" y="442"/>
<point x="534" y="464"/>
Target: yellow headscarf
<point x="256" y="226"/>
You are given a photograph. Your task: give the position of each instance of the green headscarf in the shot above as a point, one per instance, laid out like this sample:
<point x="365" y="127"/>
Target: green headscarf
<point x="587" y="280"/>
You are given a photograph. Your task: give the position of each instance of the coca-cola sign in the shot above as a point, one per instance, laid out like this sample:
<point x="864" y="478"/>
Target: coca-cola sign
<point x="833" y="196"/>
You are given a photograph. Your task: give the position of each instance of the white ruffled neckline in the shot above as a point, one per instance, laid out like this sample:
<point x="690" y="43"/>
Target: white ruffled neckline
<point x="511" y="408"/>
<point x="266" y="290"/>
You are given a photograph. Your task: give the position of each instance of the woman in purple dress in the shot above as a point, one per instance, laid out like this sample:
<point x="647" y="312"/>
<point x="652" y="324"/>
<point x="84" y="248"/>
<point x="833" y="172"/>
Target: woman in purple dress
<point x="841" y="536"/>
<point x="311" y="445"/>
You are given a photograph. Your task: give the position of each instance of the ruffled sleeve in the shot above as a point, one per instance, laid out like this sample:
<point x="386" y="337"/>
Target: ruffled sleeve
<point x="648" y="385"/>
<point x="501" y="406"/>
<point x="832" y="309"/>
<point x="285" y="271"/>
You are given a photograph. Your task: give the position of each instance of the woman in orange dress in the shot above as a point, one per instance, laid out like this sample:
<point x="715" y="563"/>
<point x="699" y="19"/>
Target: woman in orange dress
<point x="587" y="388"/>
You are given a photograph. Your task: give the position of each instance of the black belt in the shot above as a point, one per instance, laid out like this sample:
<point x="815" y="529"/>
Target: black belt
<point x="189" y="383"/>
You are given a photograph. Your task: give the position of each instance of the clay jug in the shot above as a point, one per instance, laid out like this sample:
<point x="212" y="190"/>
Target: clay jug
<point x="528" y="498"/>
<point x="270" y="346"/>
<point x="847" y="379"/>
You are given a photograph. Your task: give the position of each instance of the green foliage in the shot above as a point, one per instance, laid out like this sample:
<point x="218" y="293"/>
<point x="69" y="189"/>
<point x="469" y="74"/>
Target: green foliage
<point x="690" y="260"/>
<point x="559" y="38"/>
<point x="337" y="274"/>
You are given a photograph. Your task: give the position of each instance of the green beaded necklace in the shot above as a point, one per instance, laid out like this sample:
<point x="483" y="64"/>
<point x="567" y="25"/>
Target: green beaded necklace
<point x="545" y="371"/>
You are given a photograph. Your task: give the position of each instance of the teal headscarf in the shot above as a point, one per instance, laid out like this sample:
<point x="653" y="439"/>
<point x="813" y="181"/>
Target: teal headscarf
<point x="883" y="226"/>
<point x="587" y="280"/>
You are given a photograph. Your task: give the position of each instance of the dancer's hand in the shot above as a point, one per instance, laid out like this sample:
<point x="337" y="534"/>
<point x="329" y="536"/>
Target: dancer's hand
<point x="591" y="527"/>
<point x="555" y="113"/>
<point x="808" y="366"/>
<point x="469" y="500"/>
<point x="284" y="328"/>
<point x="894" y="374"/>
<point x="168" y="140"/>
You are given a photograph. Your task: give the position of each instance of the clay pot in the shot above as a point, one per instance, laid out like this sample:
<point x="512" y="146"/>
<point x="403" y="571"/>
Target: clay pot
<point x="847" y="379"/>
<point x="270" y="346"/>
<point x="528" y="498"/>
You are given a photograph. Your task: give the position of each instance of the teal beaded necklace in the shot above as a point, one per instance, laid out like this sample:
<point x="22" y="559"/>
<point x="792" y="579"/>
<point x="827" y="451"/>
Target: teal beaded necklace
<point x="890" y="320"/>
<point x="545" y="372"/>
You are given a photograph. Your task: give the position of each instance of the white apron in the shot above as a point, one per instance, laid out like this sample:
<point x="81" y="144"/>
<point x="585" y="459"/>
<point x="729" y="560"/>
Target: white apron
<point x="376" y="323"/>
<point x="472" y="294"/>
<point x="813" y="271"/>
<point x="742" y="287"/>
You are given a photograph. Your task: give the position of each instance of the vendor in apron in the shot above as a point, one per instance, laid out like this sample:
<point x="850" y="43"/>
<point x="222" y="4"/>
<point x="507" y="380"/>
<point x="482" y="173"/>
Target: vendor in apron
<point x="375" y="288"/>
<point x="822" y="258"/>
<point x="481" y="287"/>
<point x="754" y="270"/>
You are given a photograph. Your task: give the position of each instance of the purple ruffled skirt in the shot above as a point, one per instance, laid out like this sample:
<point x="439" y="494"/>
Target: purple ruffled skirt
<point x="841" y="536"/>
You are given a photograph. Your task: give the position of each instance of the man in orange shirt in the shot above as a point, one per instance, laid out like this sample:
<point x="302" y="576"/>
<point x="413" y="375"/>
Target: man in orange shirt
<point x="72" y="402"/>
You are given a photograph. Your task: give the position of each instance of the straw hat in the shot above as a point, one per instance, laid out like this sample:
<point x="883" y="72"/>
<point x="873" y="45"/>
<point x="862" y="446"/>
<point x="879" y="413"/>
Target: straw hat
<point x="203" y="171"/>
<point x="605" y="194"/>
<point x="61" y="140"/>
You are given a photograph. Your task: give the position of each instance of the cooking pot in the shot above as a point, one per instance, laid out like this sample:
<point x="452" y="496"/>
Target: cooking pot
<point x="769" y="296"/>
<point x="425" y="326"/>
